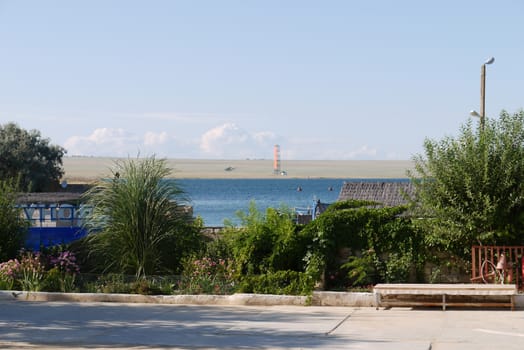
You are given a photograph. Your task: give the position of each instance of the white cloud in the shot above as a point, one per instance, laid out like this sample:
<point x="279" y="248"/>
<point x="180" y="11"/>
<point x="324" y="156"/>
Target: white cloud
<point x="327" y="149"/>
<point x="362" y="152"/>
<point x="102" y="142"/>
<point x="226" y="141"/>
<point x="151" y="138"/>
<point x="230" y="141"/>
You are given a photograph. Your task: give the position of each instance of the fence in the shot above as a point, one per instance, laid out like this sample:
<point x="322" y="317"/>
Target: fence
<point x="514" y="260"/>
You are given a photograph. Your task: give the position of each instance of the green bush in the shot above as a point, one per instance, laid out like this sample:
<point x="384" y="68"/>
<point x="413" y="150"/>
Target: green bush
<point x="264" y="242"/>
<point x="126" y="284"/>
<point x="280" y="283"/>
<point x="52" y="281"/>
<point x="145" y="287"/>
<point x="59" y="281"/>
<point x="361" y="271"/>
<point x="390" y="246"/>
<point x="207" y="276"/>
<point x="398" y="268"/>
<point x="10" y="274"/>
<point x="13" y="226"/>
<point x="109" y="283"/>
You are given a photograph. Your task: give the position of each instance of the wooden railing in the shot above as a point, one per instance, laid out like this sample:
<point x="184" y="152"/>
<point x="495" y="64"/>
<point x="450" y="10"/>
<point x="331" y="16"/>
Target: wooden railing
<point x="514" y="262"/>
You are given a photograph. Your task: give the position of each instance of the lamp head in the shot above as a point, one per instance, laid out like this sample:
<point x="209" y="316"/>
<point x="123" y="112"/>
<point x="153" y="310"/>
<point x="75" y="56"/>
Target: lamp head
<point x="474" y="114"/>
<point x="490" y="61"/>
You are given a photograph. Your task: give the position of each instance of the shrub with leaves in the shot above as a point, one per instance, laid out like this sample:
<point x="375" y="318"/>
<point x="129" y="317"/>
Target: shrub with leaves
<point x="207" y="276"/>
<point x="379" y="234"/>
<point x="470" y="188"/>
<point x="35" y="271"/>
<point x="9" y="274"/>
<point x="361" y="270"/>
<point x="13" y="226"/>
<point x="264" y="242"/>
<point x="280" y="283"/>
<point x="62" y="275"/>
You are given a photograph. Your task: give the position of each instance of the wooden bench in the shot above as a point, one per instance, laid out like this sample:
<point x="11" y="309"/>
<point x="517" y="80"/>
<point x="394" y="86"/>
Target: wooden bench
<point x="418" y="295"/>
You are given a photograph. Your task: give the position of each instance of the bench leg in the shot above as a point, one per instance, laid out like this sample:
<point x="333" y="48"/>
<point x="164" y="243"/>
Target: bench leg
<point x="443" y="302"/>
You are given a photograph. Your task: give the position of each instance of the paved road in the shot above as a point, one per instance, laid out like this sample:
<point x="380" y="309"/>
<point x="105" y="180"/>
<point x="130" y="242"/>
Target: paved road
<point x="56" y="325"/>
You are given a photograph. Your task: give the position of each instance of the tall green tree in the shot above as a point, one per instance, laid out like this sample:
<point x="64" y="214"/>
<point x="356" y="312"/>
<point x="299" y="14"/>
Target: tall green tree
<point x="27" y="156"/>
<point x="138" y="224"/>
<point x="13" y="227"/>
<point x="470" y="188"/>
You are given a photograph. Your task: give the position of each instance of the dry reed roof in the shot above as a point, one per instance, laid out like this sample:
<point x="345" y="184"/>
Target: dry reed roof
<point x="49" y="198"/>
<point x="72" y="194"/>
<point x="389" y="194"/>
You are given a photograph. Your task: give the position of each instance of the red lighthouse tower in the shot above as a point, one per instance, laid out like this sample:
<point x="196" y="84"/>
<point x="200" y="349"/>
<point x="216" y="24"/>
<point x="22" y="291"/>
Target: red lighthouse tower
<point x="276" y="159"/>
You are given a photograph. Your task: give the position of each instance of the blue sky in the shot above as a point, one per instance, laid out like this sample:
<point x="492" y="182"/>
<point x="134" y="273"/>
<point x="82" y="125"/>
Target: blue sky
<point x="229" y="79"/>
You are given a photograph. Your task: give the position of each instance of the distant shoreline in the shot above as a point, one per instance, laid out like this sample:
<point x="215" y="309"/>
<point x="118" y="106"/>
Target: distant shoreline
<point x="90" y="169"/>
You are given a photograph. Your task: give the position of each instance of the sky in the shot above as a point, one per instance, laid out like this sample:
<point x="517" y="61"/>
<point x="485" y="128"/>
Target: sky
<point x="224" y="79"/>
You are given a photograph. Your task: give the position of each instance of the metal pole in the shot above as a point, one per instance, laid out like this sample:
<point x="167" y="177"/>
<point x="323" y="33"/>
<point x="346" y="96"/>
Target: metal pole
<point x="482" y="96"/>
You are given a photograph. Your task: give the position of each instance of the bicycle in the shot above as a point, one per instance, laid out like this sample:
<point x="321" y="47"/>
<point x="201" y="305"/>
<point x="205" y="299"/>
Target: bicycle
<point x="491" y="273"/>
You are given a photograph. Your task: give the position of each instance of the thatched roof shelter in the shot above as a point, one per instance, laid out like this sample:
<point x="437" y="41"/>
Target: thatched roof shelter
<point x="72" y="195"/>
<point x="388" y="194"/>
<point x="48" y="197"/>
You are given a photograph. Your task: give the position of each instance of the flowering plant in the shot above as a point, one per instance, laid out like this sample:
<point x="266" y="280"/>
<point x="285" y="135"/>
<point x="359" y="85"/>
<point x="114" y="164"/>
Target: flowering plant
<point x="207" y="276"/>
<point x="62" y="274"/>
<point x="32" y="271"/>
<point x="65" y="262"/>
<point x="9" y="273"/>
<point x="35" y="271"/>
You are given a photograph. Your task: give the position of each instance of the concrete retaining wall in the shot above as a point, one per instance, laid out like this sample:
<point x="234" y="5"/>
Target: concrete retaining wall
<point x="318" y="298"/>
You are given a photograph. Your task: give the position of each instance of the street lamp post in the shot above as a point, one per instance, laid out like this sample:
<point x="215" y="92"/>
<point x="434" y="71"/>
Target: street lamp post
<point x="482" y="114"/>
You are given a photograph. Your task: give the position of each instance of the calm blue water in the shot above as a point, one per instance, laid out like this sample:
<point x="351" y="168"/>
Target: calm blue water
<point x="217" y="199"/>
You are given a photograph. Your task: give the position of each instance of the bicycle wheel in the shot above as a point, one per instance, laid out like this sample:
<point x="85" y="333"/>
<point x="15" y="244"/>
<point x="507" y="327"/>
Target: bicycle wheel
<point x="490" y="274"/>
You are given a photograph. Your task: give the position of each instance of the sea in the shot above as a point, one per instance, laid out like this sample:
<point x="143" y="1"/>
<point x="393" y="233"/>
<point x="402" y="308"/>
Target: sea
<point x="216" y="200"/>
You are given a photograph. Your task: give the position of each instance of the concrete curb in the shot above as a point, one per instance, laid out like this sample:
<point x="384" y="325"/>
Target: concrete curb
<point x="318" y="299"/>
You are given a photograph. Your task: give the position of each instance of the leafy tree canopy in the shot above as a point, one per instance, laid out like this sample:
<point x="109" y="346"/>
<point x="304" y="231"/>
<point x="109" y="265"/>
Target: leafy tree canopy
<point x="470" y="188"/>
<point x="26" y="156"/>
<point x="13" y="227"/>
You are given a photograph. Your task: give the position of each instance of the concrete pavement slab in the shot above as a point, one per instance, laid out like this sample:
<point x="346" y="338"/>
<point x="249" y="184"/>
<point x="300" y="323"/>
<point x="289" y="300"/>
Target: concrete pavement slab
<point x="60" y="325"/>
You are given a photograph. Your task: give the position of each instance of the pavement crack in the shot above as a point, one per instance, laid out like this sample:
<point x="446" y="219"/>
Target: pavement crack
<point x="339" y="324"/>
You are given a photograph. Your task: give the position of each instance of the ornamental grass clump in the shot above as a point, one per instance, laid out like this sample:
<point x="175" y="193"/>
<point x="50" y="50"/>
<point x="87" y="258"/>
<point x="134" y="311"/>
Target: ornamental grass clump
<point x="207" y="276"/>
<point x="138" y="224"/>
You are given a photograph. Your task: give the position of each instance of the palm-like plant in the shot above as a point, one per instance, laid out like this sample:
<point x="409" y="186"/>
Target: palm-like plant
<point x="136" y="217"/>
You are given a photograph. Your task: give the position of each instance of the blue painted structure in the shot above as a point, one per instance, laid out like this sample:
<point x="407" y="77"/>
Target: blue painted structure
<point x="39" y="237"/>
<point x="53" y="224"/>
